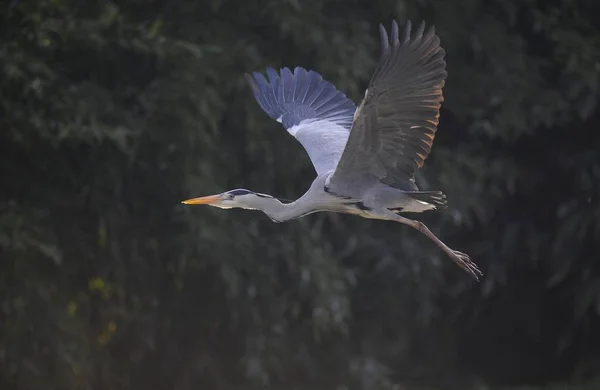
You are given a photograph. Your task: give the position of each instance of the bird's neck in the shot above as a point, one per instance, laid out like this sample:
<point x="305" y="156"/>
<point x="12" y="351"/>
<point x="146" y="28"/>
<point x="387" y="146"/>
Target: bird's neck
<point x="280" y="212"/>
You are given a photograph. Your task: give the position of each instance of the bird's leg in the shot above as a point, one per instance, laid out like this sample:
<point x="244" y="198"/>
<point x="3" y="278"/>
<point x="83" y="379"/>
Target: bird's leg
<point x="462" y="259"/>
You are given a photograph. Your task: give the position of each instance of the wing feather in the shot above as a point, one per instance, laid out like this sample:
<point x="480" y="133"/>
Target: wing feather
<point x="395" y="125"/>
<point x="310" y="108"/>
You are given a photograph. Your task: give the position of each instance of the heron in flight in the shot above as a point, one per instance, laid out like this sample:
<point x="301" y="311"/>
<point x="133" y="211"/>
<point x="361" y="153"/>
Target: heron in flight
<point x="365" y="157"/>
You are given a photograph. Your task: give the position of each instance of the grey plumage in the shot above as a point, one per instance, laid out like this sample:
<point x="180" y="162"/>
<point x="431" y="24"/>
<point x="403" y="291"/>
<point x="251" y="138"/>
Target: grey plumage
<point x="291" y="98"/>
<point x="365" y="157"/>
<point x="396" y="122"/>
<point x="310" y="108"/>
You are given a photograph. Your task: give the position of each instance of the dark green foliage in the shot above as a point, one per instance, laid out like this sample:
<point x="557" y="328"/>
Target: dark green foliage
<point x="111" y="113"/>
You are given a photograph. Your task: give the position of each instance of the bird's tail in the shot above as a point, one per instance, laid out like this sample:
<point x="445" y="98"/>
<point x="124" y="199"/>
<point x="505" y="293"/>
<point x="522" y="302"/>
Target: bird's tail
<point x="435" y="198"/>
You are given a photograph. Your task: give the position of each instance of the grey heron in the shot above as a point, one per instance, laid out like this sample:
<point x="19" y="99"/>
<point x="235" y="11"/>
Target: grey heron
<point x="365" y="157"/>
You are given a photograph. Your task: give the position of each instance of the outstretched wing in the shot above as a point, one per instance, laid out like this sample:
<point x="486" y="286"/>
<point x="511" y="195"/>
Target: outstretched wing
<point x="395" y="124"/>
<point x="310" y="108"/>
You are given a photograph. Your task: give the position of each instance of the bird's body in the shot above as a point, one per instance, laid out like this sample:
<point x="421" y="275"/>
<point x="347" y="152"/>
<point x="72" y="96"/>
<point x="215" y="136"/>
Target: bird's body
<point x="365" y="157"/>
<point x="376" y="204"/>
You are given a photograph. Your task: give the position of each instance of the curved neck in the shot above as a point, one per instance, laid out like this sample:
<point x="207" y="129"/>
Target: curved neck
<point x="280" y="212"/>
<point x="313" y="200"/>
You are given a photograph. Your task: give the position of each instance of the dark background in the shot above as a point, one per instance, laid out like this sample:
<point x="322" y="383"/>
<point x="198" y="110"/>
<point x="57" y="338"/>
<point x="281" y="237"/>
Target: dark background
<point x="111" y="113"/>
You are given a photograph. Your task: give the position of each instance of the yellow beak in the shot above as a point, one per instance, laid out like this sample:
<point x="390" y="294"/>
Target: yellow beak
<point x="212" y="199"/>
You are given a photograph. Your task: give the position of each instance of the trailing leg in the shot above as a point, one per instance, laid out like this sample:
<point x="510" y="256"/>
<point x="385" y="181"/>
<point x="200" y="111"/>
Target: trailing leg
<point x="461" y="259"/>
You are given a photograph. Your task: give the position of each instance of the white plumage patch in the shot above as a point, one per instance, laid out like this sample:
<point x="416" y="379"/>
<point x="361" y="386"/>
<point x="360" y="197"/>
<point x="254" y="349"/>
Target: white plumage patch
<point x="294" y="129"/>
<point x="323" y="140"/>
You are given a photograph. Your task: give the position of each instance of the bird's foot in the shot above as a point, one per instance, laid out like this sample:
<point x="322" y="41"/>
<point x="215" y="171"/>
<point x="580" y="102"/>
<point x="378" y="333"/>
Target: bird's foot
<point x="464" y="261"/>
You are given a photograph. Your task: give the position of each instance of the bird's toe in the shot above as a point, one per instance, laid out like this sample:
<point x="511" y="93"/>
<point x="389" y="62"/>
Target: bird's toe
<point x="465" y="262"/>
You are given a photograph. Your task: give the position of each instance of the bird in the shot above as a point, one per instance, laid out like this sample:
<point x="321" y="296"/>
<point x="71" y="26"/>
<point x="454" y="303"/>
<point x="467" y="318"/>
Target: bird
<point x="365" y="156"/>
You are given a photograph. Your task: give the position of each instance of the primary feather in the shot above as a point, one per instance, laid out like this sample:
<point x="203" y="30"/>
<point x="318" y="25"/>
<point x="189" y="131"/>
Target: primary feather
<point x="395" y="124"/>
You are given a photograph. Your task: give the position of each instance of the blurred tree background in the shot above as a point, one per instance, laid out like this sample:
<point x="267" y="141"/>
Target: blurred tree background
<point x="111" y="113"/>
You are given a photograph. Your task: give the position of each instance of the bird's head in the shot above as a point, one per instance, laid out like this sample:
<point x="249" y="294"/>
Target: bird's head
<point x="239" y="198"/>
